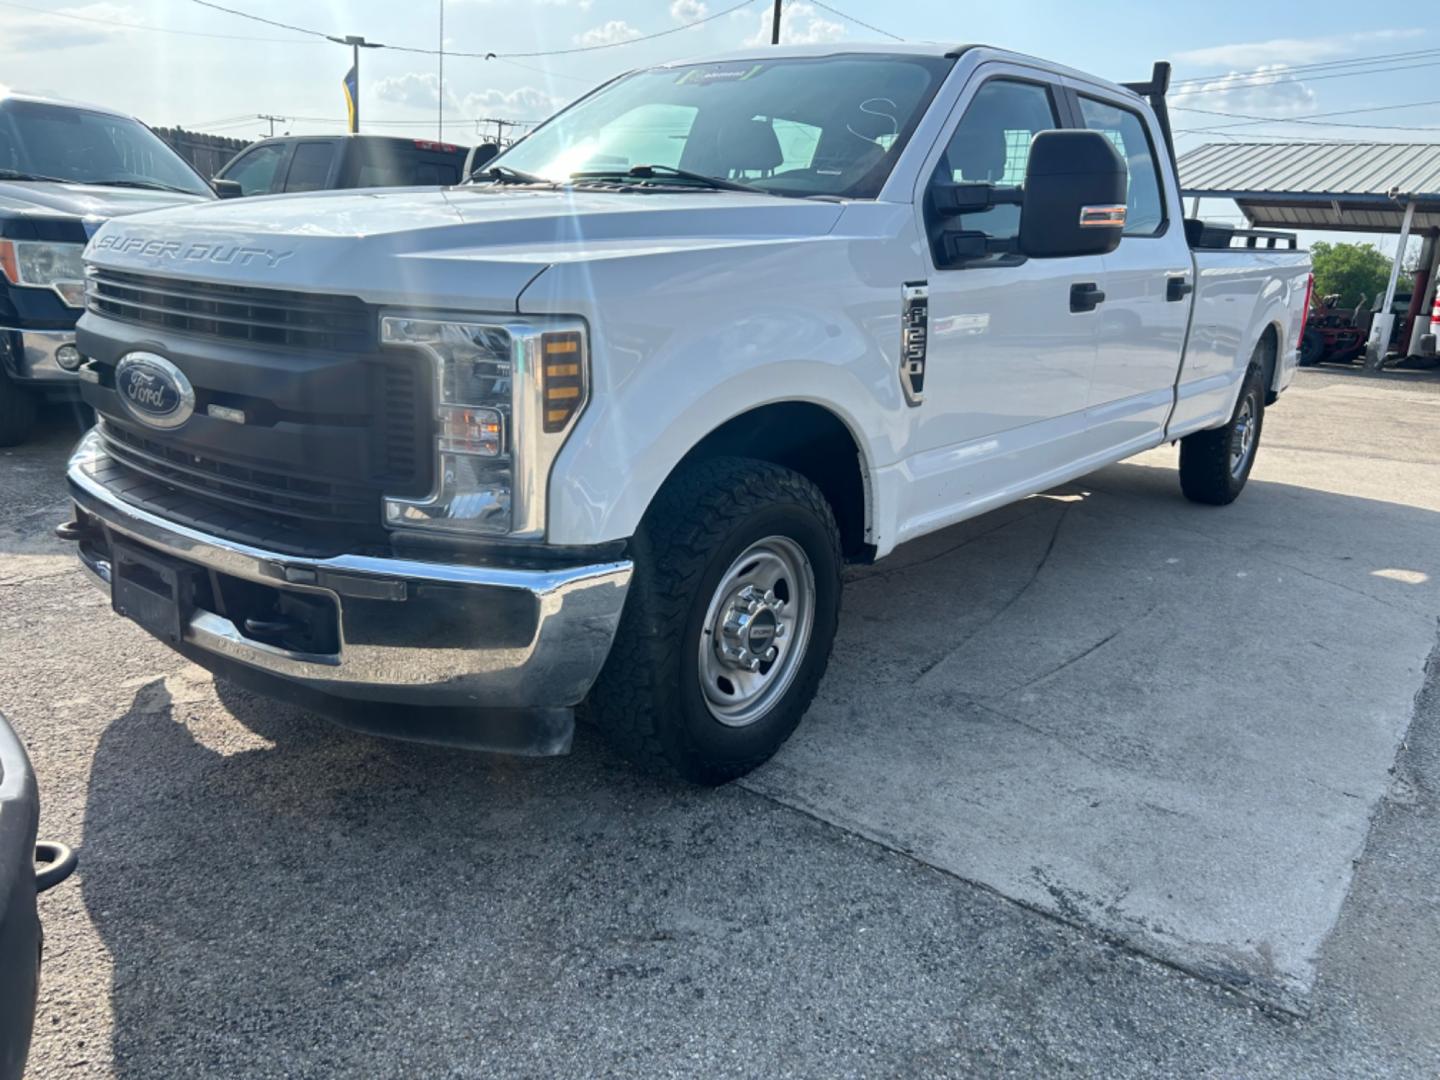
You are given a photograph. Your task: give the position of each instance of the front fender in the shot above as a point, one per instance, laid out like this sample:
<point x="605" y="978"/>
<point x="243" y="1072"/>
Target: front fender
<point x="686" y="341"/>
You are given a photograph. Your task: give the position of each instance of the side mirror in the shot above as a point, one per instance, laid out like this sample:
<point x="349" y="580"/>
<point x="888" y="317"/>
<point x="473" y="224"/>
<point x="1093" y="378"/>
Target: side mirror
<point x="226" y="189"/>
<point x="1074" y="201"/>
<point x="479" y="157"/>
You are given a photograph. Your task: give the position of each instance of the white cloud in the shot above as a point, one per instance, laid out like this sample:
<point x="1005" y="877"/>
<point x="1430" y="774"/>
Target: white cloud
<point x="527" y="103"/>
<point x="420" y="90"/>
<point x="615" y="30"/>
<point x="1280" y="51"/>
<point x="800" y="24"/>
<point x="687" y="11"/>
<point x="66" y="28"/>
<point x="1268" y="91"/>
<point x="414" y="89"/>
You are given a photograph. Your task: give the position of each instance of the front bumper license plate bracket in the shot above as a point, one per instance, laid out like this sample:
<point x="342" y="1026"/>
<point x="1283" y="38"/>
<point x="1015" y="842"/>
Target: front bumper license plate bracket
<point x="152" y="590"/>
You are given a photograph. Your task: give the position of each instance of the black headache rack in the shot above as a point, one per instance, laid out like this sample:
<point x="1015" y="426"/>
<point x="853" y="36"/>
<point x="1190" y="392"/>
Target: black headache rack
<point x="1202" y="235"/>
<point x="1154" y="92"/>
<point x="1210" y="236"/>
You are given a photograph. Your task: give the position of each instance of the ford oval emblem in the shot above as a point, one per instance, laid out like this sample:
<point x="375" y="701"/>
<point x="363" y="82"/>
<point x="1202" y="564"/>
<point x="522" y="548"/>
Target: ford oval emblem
<point x="153" y="390"/>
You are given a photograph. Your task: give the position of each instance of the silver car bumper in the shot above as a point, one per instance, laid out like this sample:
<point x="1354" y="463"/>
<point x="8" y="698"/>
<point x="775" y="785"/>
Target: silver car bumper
<point x="32" y="355"/>
<point x="532" y="639"/>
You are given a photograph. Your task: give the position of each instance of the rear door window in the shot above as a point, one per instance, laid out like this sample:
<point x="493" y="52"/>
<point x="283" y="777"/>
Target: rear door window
<point x="310" y="167"/>
<point x="1145" y="200"/>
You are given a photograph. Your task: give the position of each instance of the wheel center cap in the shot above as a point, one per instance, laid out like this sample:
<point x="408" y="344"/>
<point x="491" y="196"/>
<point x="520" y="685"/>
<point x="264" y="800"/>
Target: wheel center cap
<point x="749" y="629"/>
<point x="761" y="630"/>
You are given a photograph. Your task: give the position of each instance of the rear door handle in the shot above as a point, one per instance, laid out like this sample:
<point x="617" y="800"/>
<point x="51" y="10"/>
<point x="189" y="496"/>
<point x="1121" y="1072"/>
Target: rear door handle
<point x="1177" y="288"/>
<point x="1086" y="296"/>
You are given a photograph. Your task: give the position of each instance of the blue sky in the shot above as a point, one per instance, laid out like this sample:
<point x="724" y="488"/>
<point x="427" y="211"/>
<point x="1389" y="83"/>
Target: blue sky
<point x="108" y="51"/>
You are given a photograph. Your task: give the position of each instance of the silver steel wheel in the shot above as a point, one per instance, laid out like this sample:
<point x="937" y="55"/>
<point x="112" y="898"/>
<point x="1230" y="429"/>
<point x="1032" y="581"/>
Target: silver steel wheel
<point x="1242" y="438"/>
<point x="756" y="628"/>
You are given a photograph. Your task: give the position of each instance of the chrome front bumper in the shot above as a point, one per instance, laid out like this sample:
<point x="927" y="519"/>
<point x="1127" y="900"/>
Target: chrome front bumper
<point x="550" y="630"/>
<point x="32" y="355"/>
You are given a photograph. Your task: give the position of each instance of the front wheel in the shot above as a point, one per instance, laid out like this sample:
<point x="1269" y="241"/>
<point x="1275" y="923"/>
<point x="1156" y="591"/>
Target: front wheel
<point x="1215" y="464"/>
<point x="1312" y="347"/>
<point x="729" y="623"/>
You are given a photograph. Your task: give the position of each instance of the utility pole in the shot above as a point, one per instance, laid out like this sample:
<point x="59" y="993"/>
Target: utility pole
<point x="356" y="43"/>
<point x="271" y="119"/>
<point x="440" y="106"/>
<point x="775" y="23"/>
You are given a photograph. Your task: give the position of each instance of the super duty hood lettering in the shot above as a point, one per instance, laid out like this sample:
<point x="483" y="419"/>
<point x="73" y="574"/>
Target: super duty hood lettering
<point x="181" y="251"/>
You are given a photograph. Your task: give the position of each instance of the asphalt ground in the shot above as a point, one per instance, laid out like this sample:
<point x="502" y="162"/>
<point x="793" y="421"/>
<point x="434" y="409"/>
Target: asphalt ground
<point x="262" y="894"/>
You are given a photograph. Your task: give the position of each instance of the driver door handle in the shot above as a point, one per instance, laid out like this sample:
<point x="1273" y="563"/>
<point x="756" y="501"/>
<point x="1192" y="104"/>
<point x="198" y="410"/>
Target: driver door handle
<point x="1086" y="296"/>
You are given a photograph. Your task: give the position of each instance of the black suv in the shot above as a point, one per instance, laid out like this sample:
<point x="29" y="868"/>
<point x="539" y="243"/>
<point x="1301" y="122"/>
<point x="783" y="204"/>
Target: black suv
<point x="328" y="162"/>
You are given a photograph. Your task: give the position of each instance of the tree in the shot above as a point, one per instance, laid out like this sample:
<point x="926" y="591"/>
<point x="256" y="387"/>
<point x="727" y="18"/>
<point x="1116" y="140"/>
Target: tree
<point x="1355" y="271"/>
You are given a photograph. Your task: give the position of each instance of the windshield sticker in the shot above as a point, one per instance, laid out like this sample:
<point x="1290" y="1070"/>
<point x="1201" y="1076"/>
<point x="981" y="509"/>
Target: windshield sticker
<point x="706" y="76"/>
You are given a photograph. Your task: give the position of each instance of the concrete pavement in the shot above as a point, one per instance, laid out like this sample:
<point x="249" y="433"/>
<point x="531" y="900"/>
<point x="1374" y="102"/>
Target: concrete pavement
<point x="262" y="894"/>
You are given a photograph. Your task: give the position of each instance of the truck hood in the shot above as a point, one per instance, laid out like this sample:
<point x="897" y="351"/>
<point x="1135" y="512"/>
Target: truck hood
<point x="469" y="248"/>
<point x="85" y="201"/>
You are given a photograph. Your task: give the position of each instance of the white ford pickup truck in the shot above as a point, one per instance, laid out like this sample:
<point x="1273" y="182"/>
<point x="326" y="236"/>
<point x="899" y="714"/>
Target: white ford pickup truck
<point x="602" y="425"/>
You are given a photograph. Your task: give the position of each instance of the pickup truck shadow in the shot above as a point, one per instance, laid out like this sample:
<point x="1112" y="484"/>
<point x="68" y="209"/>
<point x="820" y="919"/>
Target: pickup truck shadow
<point x="309" y="905"/>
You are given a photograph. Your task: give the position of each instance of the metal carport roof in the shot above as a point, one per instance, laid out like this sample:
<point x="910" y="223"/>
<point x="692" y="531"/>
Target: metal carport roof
<point x="1359" y="187"/>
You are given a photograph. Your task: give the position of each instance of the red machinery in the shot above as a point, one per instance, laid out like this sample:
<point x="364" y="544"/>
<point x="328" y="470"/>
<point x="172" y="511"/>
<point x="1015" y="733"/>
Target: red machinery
<point x="1334" y="334"/>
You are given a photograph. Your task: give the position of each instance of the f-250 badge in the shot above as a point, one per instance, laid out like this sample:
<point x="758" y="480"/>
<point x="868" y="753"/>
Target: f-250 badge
<point x="914" y="329"/>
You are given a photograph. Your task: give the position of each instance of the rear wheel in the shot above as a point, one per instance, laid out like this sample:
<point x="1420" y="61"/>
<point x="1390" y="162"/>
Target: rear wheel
<point x="1215" y="464"/>
<point x="729" y="623"/>
<point x="1312" y="348"/>
<point x="17" y="411"/>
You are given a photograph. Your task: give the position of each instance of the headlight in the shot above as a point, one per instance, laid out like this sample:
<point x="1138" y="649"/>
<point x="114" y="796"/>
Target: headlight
<point x="41" y="264"/>
<point x="506" y="396"/>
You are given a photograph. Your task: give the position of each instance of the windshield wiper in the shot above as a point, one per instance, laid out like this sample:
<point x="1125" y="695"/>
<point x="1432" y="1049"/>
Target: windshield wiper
<point x="504" y="174"/>
<point x="650" y="172"/>
<point x="148" y="185"/>
<point x="15" y="174"/>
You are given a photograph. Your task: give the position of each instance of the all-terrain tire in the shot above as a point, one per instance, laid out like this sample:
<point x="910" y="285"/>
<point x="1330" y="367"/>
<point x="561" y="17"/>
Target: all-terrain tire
<point x="17" y="412"/>
<point x="648" y="699"/>
<point x="1312" y="348"/>
<point x="1210" y="471"/>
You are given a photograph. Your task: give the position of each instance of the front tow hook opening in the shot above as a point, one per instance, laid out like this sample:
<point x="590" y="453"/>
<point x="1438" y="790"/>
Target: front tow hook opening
<point x="54" y="862"/>
<point x="78" y="531"/>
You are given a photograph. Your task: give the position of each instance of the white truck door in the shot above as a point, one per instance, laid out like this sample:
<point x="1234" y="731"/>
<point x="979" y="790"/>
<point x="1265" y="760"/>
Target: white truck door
<point x="1011" y="341"/>
<point x="1149" y="280"/>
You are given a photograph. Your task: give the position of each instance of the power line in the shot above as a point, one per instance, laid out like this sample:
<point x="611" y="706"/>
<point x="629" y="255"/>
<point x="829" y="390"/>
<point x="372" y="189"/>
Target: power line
<point x="260" y="19"/>
<point x="143" y="26"/>
<point x="1284" y="69"/>
<point x="606" y="44"/>
<point x="1250" y="120"/>
<point x="1224" y="84"/>
<point x="494" y="55"/>
<point x="857" y="22"/>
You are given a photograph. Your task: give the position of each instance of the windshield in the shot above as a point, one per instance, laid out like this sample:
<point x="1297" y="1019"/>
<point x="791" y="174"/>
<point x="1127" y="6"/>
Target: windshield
<point x="815" y="126"/>
<point x="62" y="142"/>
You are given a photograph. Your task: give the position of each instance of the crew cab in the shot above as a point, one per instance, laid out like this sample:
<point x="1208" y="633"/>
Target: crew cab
<point x="64" y="169"/>
<point x="325" y="162"/>
<point x="603" y="426"/>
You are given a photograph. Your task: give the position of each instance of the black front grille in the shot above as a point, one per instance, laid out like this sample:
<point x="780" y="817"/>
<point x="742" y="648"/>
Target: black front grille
<point x="401" y="394"/>
<point x="235" y="312"/>
<point x="240" y="485"/>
